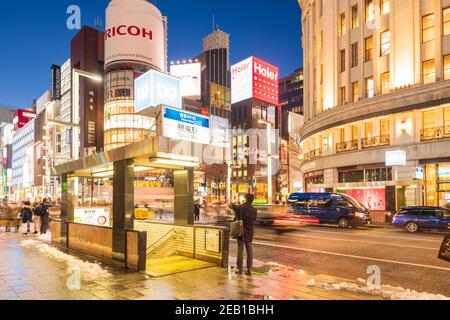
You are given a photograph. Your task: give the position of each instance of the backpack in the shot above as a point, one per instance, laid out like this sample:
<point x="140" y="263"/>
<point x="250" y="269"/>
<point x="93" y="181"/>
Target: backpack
<point x="40" y="212"/>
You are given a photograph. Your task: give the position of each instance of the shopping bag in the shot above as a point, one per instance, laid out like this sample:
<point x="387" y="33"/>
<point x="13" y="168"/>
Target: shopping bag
<point x="236" y="229"/>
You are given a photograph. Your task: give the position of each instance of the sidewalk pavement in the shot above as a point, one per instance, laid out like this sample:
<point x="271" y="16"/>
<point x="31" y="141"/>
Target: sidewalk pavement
<point x="32" y="270"/>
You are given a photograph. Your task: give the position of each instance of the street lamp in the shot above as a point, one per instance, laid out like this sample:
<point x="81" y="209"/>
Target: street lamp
<point x="269" y="161"/>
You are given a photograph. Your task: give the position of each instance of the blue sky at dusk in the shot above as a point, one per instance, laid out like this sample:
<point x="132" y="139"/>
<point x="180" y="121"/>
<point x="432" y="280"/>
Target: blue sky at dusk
<point x="33" y="36"/>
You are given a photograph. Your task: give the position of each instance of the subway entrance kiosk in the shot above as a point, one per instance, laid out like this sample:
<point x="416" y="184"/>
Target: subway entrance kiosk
<point x="107" y="228"/>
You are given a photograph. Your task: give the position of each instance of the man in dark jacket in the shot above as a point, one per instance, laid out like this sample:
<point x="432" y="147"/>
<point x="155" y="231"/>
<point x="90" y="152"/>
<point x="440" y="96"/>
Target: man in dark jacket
<point x="247" y="214"/>
<point x="45" y="217"/>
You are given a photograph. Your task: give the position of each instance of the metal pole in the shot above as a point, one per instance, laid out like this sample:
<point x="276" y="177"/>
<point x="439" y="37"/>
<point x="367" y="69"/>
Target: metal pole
<point x="269" y="164"/>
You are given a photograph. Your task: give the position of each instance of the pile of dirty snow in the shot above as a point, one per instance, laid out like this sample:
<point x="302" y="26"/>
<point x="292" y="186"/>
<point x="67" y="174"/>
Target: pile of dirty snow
<point x="88" y="270"/>
<point x="385" y="291"/>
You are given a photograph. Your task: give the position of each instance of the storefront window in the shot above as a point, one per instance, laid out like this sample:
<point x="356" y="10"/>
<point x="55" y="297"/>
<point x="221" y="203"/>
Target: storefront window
<point x="437" y="184"/>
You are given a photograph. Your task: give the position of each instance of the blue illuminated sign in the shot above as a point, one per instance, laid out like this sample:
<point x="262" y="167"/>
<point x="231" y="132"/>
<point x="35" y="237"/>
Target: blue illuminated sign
<point x="155" y="88"/>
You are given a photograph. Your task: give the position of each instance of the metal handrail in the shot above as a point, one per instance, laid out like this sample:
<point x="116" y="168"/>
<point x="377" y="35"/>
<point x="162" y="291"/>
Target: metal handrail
<point x="350" y="145"/>
<point x="156" y="246"/>
<point x="376" y="141"/>
<point x="435" y="133"/>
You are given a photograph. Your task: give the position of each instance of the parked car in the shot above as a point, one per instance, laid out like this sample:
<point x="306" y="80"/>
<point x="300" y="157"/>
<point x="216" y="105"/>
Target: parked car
<point x="415" y="219"/>
<point x="330" y="208"/>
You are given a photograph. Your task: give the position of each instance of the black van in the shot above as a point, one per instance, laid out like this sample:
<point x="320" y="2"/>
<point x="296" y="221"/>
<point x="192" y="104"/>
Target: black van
<point x="330" y="208"/>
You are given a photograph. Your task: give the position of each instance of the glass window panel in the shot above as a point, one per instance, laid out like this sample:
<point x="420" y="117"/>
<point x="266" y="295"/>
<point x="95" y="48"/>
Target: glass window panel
<point x="428" y="71"/>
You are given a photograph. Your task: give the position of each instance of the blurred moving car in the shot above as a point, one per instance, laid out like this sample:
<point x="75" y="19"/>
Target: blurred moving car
<point x="330" y="208"/>
<point x="415" y="219"/>
<point x="284" y="219"/>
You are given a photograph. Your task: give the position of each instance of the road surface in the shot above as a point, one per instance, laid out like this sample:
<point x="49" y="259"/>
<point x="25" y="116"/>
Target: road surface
<point x="406" y="260"/>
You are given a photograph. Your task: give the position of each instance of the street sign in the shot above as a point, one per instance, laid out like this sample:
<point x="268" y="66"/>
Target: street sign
<point x="420" y="173"/>
<point x="444" y="253"/>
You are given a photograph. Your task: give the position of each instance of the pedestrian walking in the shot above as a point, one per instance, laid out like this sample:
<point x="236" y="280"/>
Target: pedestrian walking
<point x="246" y="213"/>
<point x="38" y="214"/>
<point x="196" y="211"/>
<point x="27" y="217"/>
<point x="45" y="218"/>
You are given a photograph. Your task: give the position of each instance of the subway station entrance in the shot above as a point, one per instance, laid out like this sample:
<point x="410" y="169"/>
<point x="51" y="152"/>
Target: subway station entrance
<point x="134" y="207"/>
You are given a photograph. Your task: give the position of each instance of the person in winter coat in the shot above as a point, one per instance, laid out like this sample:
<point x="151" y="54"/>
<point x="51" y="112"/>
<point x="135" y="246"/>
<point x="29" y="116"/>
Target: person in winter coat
<point x="27" y="216"/>
<point x="46" y="216"/>
<point x="246" y="213"/>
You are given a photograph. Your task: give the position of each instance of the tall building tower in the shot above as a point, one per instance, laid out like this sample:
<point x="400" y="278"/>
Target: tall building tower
<point x="134" y="43"/>
<point x="215" y="75"/>
<point x="88" y="55"/>
<point x="377" y="101"/>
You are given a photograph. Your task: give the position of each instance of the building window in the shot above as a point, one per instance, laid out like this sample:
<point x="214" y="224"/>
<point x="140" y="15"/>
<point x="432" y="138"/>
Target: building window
<point x="385" y="43"/>
<point x="447" y="67"/>
<point x="355" y="89"/>
<point x="355" y="132"/>
<point x="321" y="39"/>
<point x="447" y="118"/>
<point x="355" y="20"/>
<point x="385" y="6"/>
<point x="320" y="8"/>
<point x="342" y="25"/>
<point x="342" y="96"/>
<point x="385" y="80"/>
<point x="385" y="127"/>
<point x="369" y="10"/>
<point x="342" y="58"/>
<point x="321" y="74"/>
<point x="354" y="55"/>
<point x="369" y="130"/>
<point x="370" y="90"/>
<point x="369" y="49"/>
<point x="429" y="119"/>
<point x="446" y="21"/>
<point x="428" y="71"/>
<point x="428" y="28"/>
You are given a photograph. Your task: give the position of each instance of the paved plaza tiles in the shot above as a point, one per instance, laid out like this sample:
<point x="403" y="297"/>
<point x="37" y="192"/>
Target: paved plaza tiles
<point x="32" y="272"/>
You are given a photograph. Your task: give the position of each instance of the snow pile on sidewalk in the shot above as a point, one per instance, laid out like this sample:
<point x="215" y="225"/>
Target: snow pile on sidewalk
<point x="385" y="291"/>
<point x="90" y="271"/>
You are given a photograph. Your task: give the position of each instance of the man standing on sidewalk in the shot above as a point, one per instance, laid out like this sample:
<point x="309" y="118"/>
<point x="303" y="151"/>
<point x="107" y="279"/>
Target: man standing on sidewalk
<point x="247" y="214"/>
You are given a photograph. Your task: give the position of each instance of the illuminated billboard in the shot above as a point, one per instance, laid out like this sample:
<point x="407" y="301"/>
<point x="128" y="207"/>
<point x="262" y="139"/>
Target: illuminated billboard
<point x="185" y="126"/>
<point x="93" y="216"/>
<point x="190" y="75"/>
<point x="254" y="78"/>
<point x="155" y="88"/>
<point x="22" y="117"/>
<point x="220" y="133"/>
<point x="134" y="33"/>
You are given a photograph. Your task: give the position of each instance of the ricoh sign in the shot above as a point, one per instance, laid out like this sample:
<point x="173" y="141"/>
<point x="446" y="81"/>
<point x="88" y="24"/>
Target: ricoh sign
<point x="134" y="33"/>
<point x="254" y="78"/>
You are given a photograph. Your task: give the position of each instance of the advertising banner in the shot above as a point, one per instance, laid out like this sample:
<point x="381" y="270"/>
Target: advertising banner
<point x="93" y="216"/>
<point x="185" y="126"/>
<point x="241" y="81"/>
<point x="134" y="33"/>
<point x="220" y="133"/>
<point x="190" y="75"/>
<point x="254" y="78"/>
<point x="372" y="199"/>
<point x="155" y="88"/>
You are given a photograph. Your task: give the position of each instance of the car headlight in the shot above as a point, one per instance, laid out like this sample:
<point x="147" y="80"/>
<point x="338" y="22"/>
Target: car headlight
<point x="360" y="215"/>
